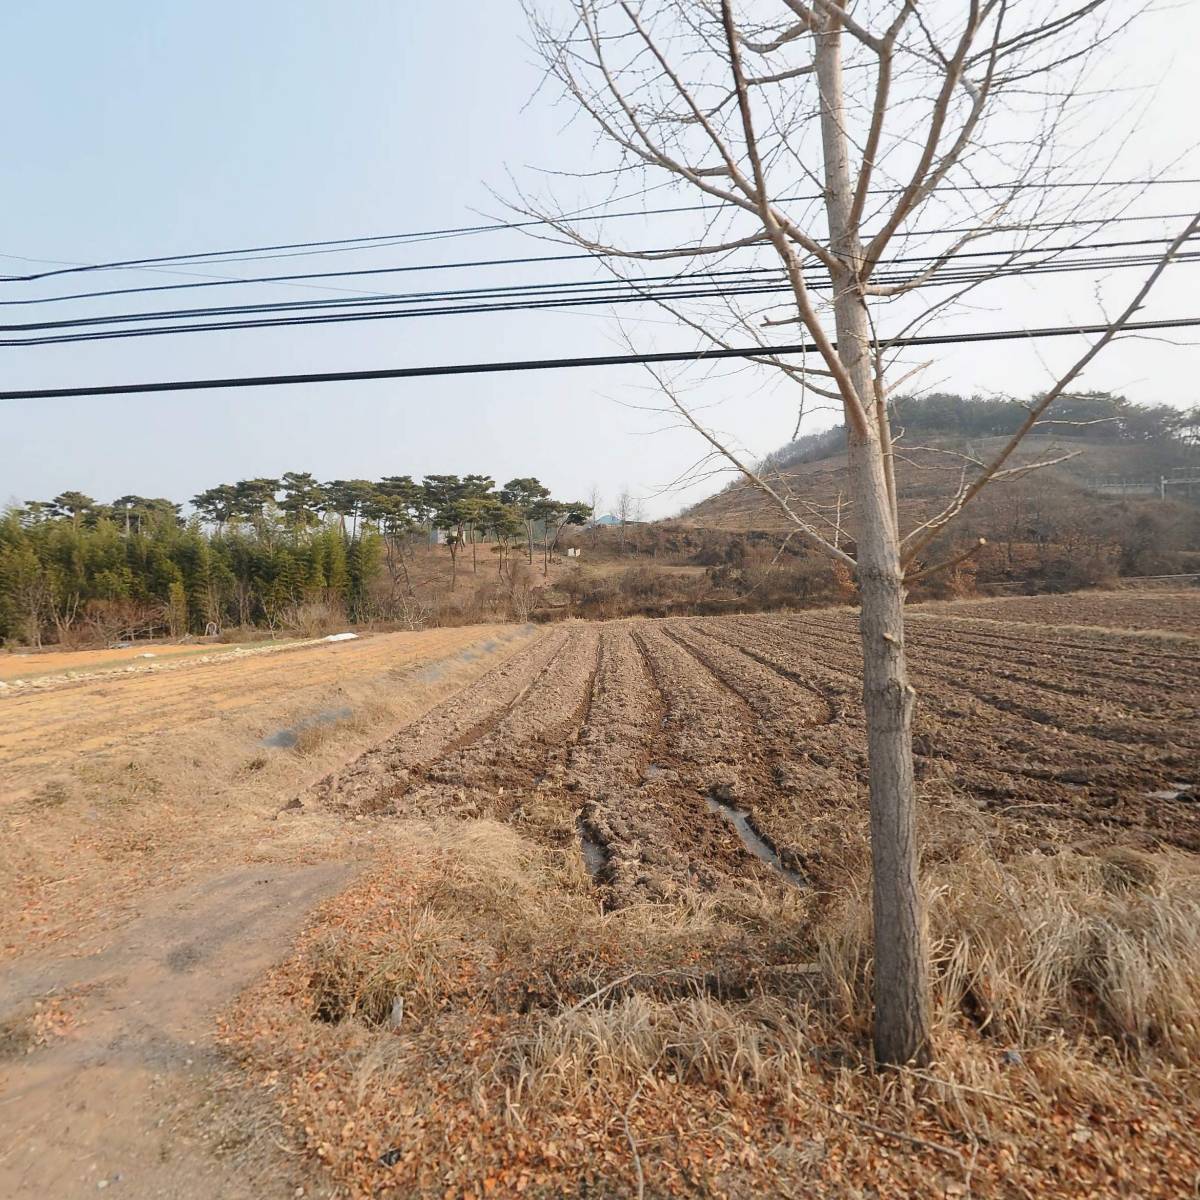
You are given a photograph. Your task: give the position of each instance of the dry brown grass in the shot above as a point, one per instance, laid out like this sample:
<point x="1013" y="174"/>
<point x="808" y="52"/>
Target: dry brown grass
<point x="112" y="787"/>
<point x="726" y="1035"/>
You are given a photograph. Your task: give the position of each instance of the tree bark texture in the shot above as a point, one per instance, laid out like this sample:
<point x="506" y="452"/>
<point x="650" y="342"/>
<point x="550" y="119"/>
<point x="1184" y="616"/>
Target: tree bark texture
<point x="901" y="974"/>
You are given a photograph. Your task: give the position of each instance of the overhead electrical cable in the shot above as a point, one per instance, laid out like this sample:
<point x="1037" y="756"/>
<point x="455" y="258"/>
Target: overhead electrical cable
<point x="339" y="245"/>
<point x="516" y="298"/>
<point x="553" y="364"/>
<point x="527" y="260"/>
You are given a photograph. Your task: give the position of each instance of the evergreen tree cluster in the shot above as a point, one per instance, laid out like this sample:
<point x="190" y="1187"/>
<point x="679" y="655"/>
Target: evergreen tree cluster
<point x="251" y="553"/>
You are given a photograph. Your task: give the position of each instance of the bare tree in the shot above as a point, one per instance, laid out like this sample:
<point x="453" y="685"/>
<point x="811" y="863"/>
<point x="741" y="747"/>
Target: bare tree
<point x="624" y="514"/>
<point x="594" y="500"/>
<point x="920" y="127"/>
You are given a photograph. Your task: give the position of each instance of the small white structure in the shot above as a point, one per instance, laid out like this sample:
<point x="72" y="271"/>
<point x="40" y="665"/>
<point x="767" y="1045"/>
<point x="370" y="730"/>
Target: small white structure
<point x="574" y="552"/>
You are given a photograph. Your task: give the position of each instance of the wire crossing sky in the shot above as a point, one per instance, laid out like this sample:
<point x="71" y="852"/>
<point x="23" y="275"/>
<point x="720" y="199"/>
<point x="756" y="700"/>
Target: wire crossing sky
<point x="563" y="364"/>
<point x="153" y="140"/>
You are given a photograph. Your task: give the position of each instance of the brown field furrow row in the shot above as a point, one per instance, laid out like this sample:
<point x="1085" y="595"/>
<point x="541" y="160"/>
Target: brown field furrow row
<point x="1152" y="667"/>
<point x="452" y="724"/>
<point x="1051" y="707"/>
<point x="827" y="827"/>
<point x="705" y="747"/>
<point x="816" y="766"/>
<point x="515" y="768"/>
<point x="976" y="740"/>
<point x="1116" y="708"/>
<point x="839" y="688"/>
<point x="1070" y="685"/>
<point x="806" y="705"/>
<point x="1150" y="642"/>
<point x="1126" y="611"/>
<point x="607" y="764"/>
<point x="1063" y="741"/>
<point x="1123" y="647"/>
<point x="1104" y="655"/>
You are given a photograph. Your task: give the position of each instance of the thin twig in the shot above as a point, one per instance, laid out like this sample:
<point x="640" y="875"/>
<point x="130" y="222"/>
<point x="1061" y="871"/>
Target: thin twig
<point x="912" y="1139"/>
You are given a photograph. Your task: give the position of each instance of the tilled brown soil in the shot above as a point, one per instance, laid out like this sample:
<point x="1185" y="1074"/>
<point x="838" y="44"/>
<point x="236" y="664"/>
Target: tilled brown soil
<point x="1149" y="609"/>
<point x="687" y="753"/>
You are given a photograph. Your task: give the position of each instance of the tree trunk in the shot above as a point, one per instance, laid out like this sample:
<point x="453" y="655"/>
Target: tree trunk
<point x="901" y="958"/>
<point x="408" y="587"/>
<point x="901" y="955"/>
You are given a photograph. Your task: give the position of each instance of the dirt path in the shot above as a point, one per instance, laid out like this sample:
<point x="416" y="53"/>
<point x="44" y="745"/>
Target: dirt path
<point x="149" y="877"/>
<point x="118" y="1101"/>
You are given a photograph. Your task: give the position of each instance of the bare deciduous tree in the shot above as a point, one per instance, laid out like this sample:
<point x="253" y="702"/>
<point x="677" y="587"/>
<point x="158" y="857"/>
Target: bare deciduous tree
<point x="594" y="500"/>
<point x="894" y="113"/>
<point x="625" y="509"/>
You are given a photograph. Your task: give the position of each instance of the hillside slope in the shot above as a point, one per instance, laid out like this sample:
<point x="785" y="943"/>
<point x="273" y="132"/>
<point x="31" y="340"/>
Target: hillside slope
<point x="927" y="474"/>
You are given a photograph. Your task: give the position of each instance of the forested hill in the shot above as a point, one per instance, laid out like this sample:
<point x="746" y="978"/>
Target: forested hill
<point x="1171" y="434"/>
<point x="1103" y="437"/>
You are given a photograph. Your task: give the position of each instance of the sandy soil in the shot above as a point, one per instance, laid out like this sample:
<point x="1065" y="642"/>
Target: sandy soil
<point x="118" y="1098"/>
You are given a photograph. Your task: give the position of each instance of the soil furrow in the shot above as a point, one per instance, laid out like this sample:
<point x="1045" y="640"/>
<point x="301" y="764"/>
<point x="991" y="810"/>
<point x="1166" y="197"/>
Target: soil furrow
<point x="451" y="725"/>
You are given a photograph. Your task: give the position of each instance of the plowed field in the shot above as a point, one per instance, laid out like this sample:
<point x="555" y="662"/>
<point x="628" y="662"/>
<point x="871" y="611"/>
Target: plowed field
<point x="602" y="914"/>
<point x="618" y="942"/>
<point x="697" y="751"/>
<point x="1164" y="611"/>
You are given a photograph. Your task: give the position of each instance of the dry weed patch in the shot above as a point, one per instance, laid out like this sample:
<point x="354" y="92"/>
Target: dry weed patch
<point x="467" y="1020"/>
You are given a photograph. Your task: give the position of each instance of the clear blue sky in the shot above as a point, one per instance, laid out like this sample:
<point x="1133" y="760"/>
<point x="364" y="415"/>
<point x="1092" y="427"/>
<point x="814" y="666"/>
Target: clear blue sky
<point x="136" y="128"/>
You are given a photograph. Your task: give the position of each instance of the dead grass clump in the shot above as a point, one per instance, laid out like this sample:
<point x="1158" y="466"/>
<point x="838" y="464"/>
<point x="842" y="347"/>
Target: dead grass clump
<point x="313" y="735"/>
<point x="1039" y="948"/>
<point x="378" y="983"/>
<point x="554" y="1048"/>
<point x="597" y="1049"/>
<point x="470" y="990"/>
<point x="52" y="794"/>
<point x="18" y="1035"/>
<point x="314" y="619"/>
<point x="430" y="953"/>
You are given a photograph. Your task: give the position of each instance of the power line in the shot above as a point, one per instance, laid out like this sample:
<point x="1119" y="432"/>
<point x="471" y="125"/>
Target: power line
<point x="528" y="298"/>
<point x="556" y="258"/>
<point x="554" y="364"/>
<point x="566" y="286"/>
<point x="524" y="260"/>
<point x="335" y="245"/>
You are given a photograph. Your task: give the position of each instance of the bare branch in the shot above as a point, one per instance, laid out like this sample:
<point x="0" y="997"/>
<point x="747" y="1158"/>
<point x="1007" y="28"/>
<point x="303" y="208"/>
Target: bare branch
<point x="930" y="528"/>
<point x="925" y="572"/>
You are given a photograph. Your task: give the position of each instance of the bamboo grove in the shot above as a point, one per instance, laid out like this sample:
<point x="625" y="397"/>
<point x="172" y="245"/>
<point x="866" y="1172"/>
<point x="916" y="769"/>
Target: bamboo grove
<point x="255" y="553"/>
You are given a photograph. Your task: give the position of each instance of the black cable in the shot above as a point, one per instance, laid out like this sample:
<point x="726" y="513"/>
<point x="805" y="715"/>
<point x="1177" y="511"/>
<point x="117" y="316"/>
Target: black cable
<point x="216" y="256"/>
<point x="677" y="290"/>
<point x="502" y="262"/>
<point x="554" y="364"/>
<point x="499" y="290"/>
